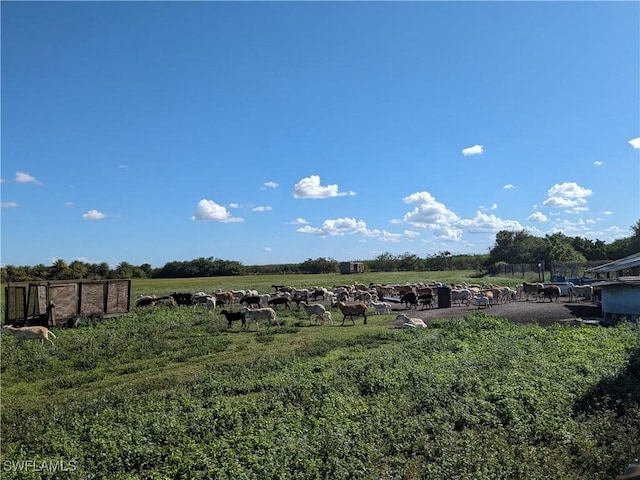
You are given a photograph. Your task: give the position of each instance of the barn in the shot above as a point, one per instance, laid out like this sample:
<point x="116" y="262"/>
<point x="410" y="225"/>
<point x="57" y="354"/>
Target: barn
<point x="620" y="289"/>
<point x="351" y="267"/>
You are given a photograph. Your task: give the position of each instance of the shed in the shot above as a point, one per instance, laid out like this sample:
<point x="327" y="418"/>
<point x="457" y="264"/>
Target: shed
<point x="351" y="267"/>
<point x="620" y="299"/>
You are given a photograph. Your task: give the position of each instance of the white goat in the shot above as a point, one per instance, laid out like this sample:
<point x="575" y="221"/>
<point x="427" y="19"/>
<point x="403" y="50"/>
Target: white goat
<point x="29" y="333"/>
<point x="257" y="314"/>
<point x="410" y="322"/>
<point x="482" y="301"/>
<point x="381" y="308"/>
<point x="318" y="310"/>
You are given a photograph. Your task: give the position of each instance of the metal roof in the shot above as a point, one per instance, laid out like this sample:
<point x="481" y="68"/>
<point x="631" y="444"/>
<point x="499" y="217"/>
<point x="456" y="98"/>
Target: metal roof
<point x="622" y="264"/>
<point x="635" y="280"/>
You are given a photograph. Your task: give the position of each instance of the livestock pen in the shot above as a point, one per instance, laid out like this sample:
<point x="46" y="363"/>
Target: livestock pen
<point x="65" y="302"/>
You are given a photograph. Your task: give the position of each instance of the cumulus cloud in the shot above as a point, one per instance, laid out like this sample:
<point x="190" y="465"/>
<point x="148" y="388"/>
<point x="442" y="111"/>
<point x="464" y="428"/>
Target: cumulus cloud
<point x="483" y="223"/>
<point x="267" y="249"/>
<point x="210" y="210"/>
<point x="635" y="142"/>
<point x="266" y="185"/>
<point x="428" y="213"/>
<point x="22" y="177"/>
<point x="300" y="221"/>
<point x="509" y="186"/>
<point x="351" y="226"/>
<point x="598" y="163"/>
<point x="93" y="215"/>
<point x="310" y="187"/>
<point x="9" y="204"/>
<point x="337" y="226"/>
<point x="537" y="217"/>
<point x="261" y="209"/>
<point x="475" y="150"/>
<point x="566" y="195"/>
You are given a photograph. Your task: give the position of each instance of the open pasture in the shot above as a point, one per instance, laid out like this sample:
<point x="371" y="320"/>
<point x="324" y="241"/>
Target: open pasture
<point x="172" y="393"/>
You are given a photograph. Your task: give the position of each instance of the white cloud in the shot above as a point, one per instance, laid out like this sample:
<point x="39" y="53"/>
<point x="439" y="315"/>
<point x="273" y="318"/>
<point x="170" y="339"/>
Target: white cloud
<point x="93" y="215"/>
<point x="428" y="213"/>
<point x="483" y="222"/>
<point x="475" y="150"/>
<point x="266" y="185"/>
<point x="22" y="177"/>
<point x="267" y="249"/>
<point x="234" y="205"/>
<point x="493" y="206"/>
<point x="635" y="142"/>
<point x="338" y="226"/>
<point x="509" y="186"/>
<point x="261" y="209"/>
<point x="9" y="204"/>
<point x="210" y="210"/>
<point x="566" y="195"/>
<point x="537" y="217"/>
<point x="300" y="221"/>
<point x="447" y="232"/>
<point x="310" y="187"/>
<point x="388" y="237"/>
<point x="598" y="163"/>
<point x="607" y="212"/>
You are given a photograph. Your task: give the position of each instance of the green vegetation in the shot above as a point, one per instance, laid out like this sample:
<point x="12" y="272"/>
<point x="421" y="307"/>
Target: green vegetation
<point x="173" y="394"/>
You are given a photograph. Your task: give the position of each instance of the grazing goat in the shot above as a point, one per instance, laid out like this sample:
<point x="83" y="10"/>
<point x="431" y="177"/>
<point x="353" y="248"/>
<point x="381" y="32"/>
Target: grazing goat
<point x="550" y="292"/>
<point x="426" y="300"/>
<point x="318" y="310"/>
<point x="152" y="301"/>
<point x="257" y="314"/>
<point x="249" y="300"/>
<point x="461" y="295"/>
<point x="530" y="288"/>
<point x="29" y="333"/>
<point x="231" y="316"/>
<point x="381" y="308"/>
<point x="409" y="299"/>
<point x="410" y="322"/>
<point x="482" y="301"/>
<point x="279" y="301"/>
<point x="182" y="298"/>
<point x="202" y="298"/>
<point x="352" y="310"/>
<point x="584" y="291"/>
<point x="224" y="297"/>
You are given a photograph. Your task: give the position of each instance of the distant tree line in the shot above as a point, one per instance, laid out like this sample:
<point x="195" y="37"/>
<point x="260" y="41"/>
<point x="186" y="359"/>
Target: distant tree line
<point x="509" y="247"/>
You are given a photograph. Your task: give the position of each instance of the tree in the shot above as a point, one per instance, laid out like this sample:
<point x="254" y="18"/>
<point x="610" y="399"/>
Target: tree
<point x="385" y="262"/>
<point x="60" y="270"/>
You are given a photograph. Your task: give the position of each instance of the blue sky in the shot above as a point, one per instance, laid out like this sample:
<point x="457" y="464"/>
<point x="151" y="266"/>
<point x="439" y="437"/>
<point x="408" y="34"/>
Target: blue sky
<point x="274" y="132"/>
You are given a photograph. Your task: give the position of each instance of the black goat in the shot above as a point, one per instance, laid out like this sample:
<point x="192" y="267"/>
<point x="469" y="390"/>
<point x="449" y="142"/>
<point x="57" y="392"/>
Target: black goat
<point x="231" y="316"/>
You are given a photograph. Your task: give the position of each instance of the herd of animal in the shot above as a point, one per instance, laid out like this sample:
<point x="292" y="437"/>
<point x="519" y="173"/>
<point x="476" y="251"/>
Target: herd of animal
<point x="357" y="300"/>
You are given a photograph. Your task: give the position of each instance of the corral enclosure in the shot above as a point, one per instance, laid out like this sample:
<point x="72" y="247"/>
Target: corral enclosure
<point x="60" y="302"/>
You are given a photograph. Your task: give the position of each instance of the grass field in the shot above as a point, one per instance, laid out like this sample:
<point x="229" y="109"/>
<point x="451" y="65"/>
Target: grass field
<point x="173" y="394"/>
